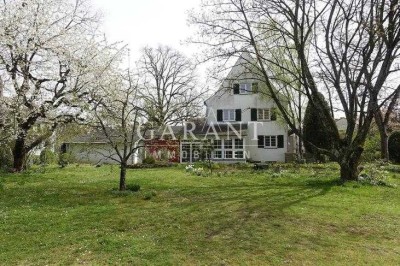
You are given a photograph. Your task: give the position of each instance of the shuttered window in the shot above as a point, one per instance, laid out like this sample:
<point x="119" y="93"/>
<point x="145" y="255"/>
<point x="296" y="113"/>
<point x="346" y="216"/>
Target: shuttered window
<point x="271" y="142"/>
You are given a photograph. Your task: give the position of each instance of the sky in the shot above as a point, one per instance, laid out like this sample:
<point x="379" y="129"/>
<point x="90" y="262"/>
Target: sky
<point x="148" y="22"/>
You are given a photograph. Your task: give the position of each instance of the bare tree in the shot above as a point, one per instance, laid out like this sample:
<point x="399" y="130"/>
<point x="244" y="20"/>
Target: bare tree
<point x="349" y="48"/>
<point x="50" y="52"/>
<point x="169" y="90"/>
<point x="383" y="115"/>
<point x="117" y="113"/>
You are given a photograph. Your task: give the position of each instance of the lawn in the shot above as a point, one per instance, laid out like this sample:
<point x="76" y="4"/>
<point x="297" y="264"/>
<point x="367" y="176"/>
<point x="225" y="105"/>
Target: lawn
<point x="300" y="216"/>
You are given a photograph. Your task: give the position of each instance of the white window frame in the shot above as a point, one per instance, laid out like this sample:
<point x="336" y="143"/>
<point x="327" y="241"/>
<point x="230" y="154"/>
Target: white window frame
<point x="218" y="157"/>
<point x="218" y="149"/>
<point x="264" y="114"/>
<point x="272" y="138"/>
<point x="232" y="144"/>
<point x="229" y="115"/>
<point x="235" y="151"/>
<point x="244" y="88"/>
<point x="231" y="151"/>
<point x="242" y="145"/>
<point x="232" y="148"/>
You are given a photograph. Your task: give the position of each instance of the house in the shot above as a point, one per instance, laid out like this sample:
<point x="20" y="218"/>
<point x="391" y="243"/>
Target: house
<point x="241" y="123"/>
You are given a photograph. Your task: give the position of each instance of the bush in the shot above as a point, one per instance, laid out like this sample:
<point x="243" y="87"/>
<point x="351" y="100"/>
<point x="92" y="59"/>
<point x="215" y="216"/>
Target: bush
<point x="47" y="157"/>
<point x="6" y="158"/>
<point x="134" y="187"/>
<point x="394" y="147"/>
<point x="154" y="165"/>
<point x="65" y="159"/>
<point x="375" y="175"/>
<point x="149" y="160"/>
<point x="372" y="147"/>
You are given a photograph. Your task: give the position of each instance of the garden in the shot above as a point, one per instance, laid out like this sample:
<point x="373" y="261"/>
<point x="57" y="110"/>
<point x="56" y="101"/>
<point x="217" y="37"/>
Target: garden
<point x="289" y="213"/>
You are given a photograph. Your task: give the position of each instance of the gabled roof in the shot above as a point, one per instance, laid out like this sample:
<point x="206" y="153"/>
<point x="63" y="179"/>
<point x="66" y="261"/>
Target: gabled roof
<point x="240" y="70"/>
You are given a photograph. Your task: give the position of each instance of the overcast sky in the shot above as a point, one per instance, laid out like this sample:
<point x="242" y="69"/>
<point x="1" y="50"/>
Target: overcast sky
<point x="147" y="22"/>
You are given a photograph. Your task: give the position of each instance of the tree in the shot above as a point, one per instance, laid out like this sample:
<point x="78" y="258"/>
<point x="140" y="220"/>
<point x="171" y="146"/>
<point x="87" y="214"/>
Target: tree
<point x="5" y="125"/>
<point x="348" y="48"/>
<point x="50" y="52"/>
<point x="315" y="130"/>
<point x="394" y="147"/>
<point x="116" y="113"/>
<point x="383" y="115"/>
<point x="169" y="85"/>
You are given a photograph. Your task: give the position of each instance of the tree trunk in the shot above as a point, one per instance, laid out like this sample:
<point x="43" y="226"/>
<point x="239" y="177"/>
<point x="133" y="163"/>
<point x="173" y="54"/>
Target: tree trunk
<point x="349" y="172"/>
<point x="382" y="128"/>
<point x="384" y="144"/>
<point x="349" y="169"/>
<point x="122" y="177"/>
<point x="19" y="154"/>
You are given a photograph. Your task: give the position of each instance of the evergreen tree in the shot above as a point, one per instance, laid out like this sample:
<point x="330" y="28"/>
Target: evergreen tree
<point x="315" y="129"/>
<point x="394" y="147"/>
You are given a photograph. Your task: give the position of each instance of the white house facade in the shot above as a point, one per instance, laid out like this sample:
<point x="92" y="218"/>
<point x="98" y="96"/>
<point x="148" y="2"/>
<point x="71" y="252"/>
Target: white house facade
<point x="241" y="123"/>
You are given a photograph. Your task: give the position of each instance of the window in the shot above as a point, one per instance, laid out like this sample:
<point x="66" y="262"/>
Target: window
<point x="245" y="88"/>
<point x="217" y="154"/>
<point x="239" y="154"/>
<point x="228" y="115"/>
<point x="228" y="154"/>
<point x="238" y="143"/>
<point x="228" y="149"/>
<point x="270" y="142"/>
<point x="217" y="144"/>
<point x="263" y="114"/>
<point x="228" y="144"/>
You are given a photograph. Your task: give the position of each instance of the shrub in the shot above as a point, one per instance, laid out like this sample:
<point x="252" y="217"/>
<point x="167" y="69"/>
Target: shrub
<point x="149" y="160"/>
<point x="133" y="187"/>
<point x="155" y="165"/>
<point x="372" y="146"/>
<point x="64" y="159"/>
<point x="6" y="158"/>
<point x="47" y="157"/>
<point x="394" y="147"/>
<point x="375" y="175"/>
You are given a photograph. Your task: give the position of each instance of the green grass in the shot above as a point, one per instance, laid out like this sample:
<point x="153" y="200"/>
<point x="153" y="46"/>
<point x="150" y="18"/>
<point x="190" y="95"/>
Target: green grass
<point x="299" y="216"/>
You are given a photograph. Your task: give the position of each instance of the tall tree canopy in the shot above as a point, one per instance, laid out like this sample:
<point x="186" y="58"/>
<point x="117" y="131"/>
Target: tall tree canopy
<point x="347" y="48"/>
<point x="170" y="91"/>
<point x="50" y="53"/>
